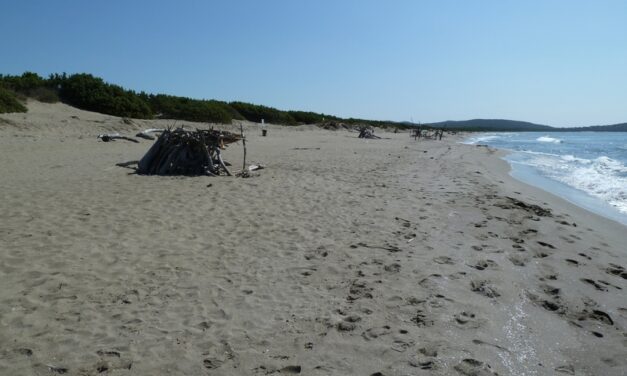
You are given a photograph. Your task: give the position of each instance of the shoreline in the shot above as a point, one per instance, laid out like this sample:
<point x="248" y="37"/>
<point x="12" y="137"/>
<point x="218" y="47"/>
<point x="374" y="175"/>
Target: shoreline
<point x="530" y="176"/>
<point x="343" y="256"/>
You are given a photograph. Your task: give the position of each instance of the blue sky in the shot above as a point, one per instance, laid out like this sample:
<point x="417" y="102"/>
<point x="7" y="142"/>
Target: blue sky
<point x="557" y="62"/>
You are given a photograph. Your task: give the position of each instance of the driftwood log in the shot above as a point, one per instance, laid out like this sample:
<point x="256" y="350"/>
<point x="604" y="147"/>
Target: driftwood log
<point x="184" y="152"/>
<point x="365" y="132"/>
<point x="147" y="133"/>
<point x="115" y="136"/>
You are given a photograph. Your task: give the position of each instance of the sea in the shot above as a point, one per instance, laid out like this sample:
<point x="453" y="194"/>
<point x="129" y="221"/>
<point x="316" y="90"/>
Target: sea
<point x="588" y="169"/>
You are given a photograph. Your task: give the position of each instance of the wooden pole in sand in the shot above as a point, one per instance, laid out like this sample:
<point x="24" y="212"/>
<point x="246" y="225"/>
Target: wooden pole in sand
<point x="241" y="129"/>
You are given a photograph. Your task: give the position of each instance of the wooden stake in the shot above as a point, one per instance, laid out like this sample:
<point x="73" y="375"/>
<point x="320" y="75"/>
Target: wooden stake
<point x="241" y="129"/>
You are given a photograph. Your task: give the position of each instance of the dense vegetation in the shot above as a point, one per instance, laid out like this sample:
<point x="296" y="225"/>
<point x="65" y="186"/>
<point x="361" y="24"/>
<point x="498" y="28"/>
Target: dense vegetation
<point x="254" y="112"/>
<point x="91" y="93"/>
<point x="9" y="102"/>
<point x="171" y="107"/>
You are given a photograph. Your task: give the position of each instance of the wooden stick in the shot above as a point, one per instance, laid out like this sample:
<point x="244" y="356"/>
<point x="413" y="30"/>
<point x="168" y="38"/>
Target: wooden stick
<point x="222" y="162"/>
<point x="241" y="129"/>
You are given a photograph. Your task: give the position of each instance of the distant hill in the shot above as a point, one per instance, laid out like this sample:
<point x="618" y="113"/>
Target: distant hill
<point x="501" y="125"/>
<point x="490" y="125"/>
<point x="622" y="127"/>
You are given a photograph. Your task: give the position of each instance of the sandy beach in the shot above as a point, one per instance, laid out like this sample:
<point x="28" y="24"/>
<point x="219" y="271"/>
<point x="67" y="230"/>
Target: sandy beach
<point x="343" y="256"/>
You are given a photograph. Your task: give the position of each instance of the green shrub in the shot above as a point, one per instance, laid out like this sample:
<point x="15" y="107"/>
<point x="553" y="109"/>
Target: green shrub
<point x="43" y="94"/>
<point x="9" y="102"/>
<point x="172" y="107"/>
<point x="93" y="94"/>
<point x="21" y="84"/>
<point x="255" y="112"/>
<point x="310" y="117"/>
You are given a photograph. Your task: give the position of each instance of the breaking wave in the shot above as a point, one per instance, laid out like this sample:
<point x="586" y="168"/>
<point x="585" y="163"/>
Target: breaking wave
<point x="549" y="139"/>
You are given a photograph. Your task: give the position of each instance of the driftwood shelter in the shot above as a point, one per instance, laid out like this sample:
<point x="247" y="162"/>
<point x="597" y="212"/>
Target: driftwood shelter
<point x="186" y="152"/>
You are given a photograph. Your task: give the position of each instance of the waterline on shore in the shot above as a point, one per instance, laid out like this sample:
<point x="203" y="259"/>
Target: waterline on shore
<point x="588" y="169"/>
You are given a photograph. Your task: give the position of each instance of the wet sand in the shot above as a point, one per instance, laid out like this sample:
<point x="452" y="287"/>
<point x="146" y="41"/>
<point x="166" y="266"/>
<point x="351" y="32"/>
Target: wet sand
<point x="343" y="257"/>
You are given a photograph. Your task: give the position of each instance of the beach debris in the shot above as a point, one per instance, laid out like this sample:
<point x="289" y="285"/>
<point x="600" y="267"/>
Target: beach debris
<point x="366" y="132"/>
<point x="248" y="171"/>
<point x="115" y="136"/>
<point x="186" y="152"/>
<point x="426" y="133"/>
<point x="128" y="164"/>
<point x="147" y="133"/>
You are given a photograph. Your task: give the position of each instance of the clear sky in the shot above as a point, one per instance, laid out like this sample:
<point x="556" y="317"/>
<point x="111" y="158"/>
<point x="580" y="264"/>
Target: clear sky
<point x="556" y="62"/>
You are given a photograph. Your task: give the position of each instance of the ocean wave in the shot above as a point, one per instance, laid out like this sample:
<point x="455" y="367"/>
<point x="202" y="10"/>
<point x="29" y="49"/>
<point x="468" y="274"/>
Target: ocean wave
<point x="480" y="139"/>
<point x="487" y="137"/>
<point x="602" y="177"/>
<point x="549" y="139"/>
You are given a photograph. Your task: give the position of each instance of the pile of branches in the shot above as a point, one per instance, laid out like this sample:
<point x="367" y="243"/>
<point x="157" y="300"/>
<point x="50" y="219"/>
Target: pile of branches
<point x="185" y="152"/>
<point x="365" y="132"/>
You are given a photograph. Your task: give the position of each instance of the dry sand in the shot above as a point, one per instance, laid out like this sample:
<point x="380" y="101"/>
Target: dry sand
<point x="343" y="257"/>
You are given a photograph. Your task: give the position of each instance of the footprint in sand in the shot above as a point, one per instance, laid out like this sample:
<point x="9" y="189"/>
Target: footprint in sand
<point x="431" y="282"/>
<point x="616" y="270"/>
<point x="596" y="315"/>
<point x="426" y="358"/>
<point x="594" y="284"/>
<point x="358" y="290"/>
<point x="550" y="290"/>
<point x="392" y="268"/>
<point x="485" y="288"/>
<point x="567" y="240"/>
<point x="24" y="351"/>
<point x="485" y="264"/>
<point x="212" y="363"/>
<point x="544" y="244"/>
<point x="402" y="346"/>
<point x="421" y="319"/>
<point x="377" y="332"/>
<point x="528" y="231"/>
<point x="473" y="367"/>
<point x="518" y="260"/>
<point x="444" y="260"/>
<point x="467" y="320"/>
<point x="290" y="369"/>
<point x="58" y="370"/>
<point x="349" y="323"/>
<point x="316" y="254"/>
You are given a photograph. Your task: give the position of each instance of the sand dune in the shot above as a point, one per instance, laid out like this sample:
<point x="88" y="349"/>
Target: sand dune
<point x="343" y="257"/>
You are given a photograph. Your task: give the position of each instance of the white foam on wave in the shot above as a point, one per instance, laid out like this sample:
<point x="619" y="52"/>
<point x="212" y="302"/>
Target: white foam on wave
<point x="549" y="139"/>
<point x="487" y="137"/>
<point x="479" y="139"/>
<point x="602" y="177"/>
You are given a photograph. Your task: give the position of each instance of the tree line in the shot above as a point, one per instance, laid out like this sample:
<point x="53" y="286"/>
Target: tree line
<point x="91" y="93"/>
